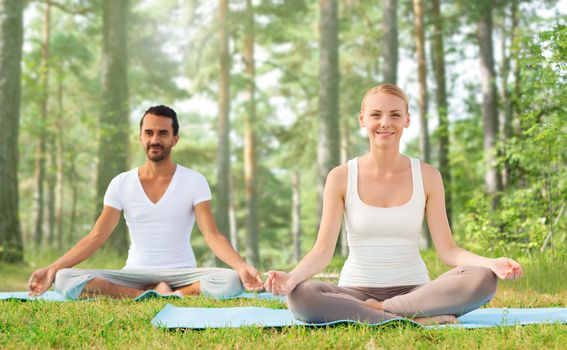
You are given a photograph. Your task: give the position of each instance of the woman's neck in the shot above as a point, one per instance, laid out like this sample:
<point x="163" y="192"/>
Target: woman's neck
<point x="385" y="159"/>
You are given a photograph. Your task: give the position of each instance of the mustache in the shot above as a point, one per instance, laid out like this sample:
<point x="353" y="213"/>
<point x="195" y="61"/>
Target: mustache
<point x="155" y="146"/>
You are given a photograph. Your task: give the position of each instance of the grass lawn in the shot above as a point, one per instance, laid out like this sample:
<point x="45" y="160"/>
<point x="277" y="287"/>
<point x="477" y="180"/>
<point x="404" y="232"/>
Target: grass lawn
<point x="107" y="323"/>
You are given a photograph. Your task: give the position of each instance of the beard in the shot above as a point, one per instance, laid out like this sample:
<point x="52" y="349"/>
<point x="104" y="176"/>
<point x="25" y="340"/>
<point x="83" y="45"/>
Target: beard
<point x="158" y="157"/>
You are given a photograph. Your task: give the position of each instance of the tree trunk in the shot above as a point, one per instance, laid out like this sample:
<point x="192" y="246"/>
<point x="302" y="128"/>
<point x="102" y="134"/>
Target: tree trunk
<point x="492" y="178"/>
<point x="390" y="43"/>
<point x="252" y="253"/>
<point x="296" y="214"/>
<point x="60" y="127"/>
<point x="424" y="145"/>
<point x="517" y="89"/>
<point x="11" y="40"/>
<point x="232" y="219"/>
<point x="328" y="143"/>
<point x="223" y="153"/>
<point x="505" y="118"/>
<point x="345" y="150"/>
<point x="51" y="187"/>
<point x="422" y="77"/>
<point x="114" y="120"/>
<point x="438" y="52"/>
<point x="41" y="144"/>
<point x="74" y="194"/>
<point x="515" y="52"/>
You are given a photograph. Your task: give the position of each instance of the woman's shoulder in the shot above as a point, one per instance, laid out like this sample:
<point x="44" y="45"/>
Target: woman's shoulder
<point x="337" y="179"/>
<point x="428" y="169"/>
<point x="431" y="176"/>
<point x="339" y="172"/>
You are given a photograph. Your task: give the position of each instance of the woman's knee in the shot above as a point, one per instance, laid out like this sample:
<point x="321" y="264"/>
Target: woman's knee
<point x="302" y="301"/>
<point x="483" y="281"/>
<point x="303" y="291"/>
<point x="489" y="281"/>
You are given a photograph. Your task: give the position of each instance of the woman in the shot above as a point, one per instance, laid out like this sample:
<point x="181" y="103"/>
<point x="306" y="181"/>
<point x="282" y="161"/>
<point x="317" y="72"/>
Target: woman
<point x="383" y="196"/>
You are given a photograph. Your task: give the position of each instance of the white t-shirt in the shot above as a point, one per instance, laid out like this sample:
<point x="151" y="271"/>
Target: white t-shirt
<point x="160" y="232"/>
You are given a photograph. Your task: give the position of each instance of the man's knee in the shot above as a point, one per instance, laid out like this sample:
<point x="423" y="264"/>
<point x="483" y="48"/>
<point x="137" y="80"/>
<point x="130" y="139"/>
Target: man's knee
<point x="62" y="278"/>
<point x="223" y="284"/>
<point x="232" y="282"/>
<point x="68" y="281"/>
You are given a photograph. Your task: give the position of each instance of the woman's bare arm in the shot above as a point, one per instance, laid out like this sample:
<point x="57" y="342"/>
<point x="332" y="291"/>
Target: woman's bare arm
<point x="322" y="252"/>
<point x="449" y="252"/>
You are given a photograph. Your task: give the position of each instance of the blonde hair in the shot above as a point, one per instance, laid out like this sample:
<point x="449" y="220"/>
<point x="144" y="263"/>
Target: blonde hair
<point x="386" y="89"/>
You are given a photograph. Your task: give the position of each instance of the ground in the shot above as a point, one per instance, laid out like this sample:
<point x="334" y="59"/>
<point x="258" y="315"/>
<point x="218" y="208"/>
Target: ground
<point x="107" y="323"/>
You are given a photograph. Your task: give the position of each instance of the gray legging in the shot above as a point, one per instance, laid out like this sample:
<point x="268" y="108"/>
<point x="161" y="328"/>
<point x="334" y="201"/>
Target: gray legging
<point x="455" y="292"/>
<point x="215" y="282"/>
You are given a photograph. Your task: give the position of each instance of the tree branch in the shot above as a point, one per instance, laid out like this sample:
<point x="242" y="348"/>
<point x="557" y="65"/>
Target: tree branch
<point x="73" y="11"/>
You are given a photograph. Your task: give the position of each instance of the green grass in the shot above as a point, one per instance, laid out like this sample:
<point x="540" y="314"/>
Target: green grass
<point x="106" y="323"/>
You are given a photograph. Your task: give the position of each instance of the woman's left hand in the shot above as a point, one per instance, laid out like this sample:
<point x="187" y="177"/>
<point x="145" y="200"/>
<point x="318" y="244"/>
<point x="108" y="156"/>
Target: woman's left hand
<point x="506" y="268"/>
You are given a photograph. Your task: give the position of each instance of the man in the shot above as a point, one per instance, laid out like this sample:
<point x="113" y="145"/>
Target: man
<point x="161" y="201"/>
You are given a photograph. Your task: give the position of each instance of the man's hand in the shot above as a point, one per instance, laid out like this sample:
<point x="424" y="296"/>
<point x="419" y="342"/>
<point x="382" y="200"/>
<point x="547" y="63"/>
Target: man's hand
<point x="41" y="280"/>
<point x="506" y="268"/>
<point x="280" y="283"/>
<point x="250" y="278"/>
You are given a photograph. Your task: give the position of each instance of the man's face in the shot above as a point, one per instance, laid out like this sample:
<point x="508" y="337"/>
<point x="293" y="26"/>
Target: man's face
<point x="157" y="137"/>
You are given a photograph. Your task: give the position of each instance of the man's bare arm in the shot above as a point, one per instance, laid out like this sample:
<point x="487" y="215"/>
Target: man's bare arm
<point x="42" y="279"/>
<point x="222" y="249"/>
<point x="214" y="238"/>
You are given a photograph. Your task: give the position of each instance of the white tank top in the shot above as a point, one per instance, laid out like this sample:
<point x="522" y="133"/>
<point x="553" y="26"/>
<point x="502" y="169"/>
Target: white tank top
<point x="383" y="242"/>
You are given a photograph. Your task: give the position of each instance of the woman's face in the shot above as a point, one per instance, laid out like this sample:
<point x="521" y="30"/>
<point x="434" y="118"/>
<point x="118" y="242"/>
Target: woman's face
<point x="385" y="117"/>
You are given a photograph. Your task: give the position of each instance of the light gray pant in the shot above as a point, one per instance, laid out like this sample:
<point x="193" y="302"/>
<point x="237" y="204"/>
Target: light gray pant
<point x="455" y="292"/>
<point x="215" y="282"/>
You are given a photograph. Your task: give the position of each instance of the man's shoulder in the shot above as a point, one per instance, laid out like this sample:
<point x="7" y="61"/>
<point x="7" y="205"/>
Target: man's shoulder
<point x="126" y="174"/>
<point x="188" y="172"/>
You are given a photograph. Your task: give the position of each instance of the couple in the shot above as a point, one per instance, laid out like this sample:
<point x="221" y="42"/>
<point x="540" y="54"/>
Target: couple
<point x="382" y="195"/>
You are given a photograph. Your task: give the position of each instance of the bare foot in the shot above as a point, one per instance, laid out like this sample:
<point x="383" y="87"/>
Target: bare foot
<point x="440" y="319"/>
<point x="374" y="304"/>
<point x="163" y="288"/>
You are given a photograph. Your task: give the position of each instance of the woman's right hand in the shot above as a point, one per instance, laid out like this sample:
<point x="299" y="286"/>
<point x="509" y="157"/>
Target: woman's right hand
<point x="279" y="283"/>
<point x="41" y="280"/>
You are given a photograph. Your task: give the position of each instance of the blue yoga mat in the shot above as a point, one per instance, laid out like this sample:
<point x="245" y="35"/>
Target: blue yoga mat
<point x="233" y="317"/>
<point x="54" y="296"/>
<point x="47" y="296"/>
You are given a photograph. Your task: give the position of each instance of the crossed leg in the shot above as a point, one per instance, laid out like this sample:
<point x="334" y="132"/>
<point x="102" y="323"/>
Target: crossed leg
<point x="213" y="282"/>
<point x="454" y="293"/>
<point x="100" y="286"/>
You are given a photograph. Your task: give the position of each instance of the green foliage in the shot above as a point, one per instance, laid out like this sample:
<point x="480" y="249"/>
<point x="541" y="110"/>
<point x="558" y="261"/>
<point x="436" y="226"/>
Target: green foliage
<point x="514" y="227"/>
<point x="530" y="215"/>
<point x="173" y="57"/>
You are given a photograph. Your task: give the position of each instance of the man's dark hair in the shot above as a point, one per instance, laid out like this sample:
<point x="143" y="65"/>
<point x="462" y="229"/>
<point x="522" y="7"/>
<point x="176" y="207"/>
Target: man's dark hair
<point x="162" y="111"/>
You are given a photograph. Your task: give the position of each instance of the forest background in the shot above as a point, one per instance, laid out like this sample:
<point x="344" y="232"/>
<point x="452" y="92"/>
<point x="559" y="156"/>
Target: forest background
<point x="268" y="94"/>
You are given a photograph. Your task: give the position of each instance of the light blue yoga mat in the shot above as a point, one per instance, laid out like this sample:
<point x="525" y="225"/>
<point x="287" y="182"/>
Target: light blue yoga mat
<point x="233" y="317"/>
<point x="54" y="296"/>
<point x="47" y="296"/>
